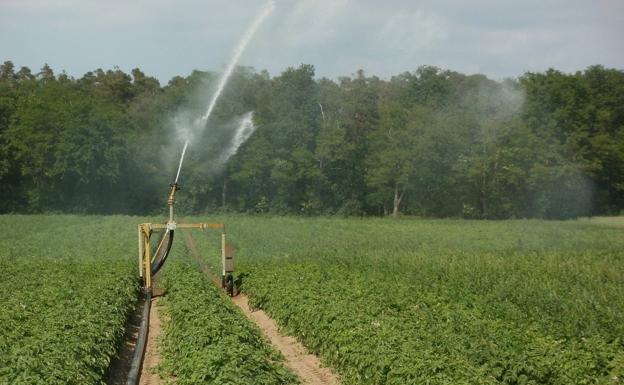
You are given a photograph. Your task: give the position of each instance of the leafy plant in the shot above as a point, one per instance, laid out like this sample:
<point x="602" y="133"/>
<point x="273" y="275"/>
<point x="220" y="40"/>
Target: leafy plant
<point x="440" y="301"/>
<point x="66" y="289"/>
<point x="207" y="340"/>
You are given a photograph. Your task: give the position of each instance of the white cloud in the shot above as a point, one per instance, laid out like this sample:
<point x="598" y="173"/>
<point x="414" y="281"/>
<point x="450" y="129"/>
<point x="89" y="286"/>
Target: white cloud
<point x="411" y="31"/>
<point x="309" y="21"/>
<point x="168" y="37"/>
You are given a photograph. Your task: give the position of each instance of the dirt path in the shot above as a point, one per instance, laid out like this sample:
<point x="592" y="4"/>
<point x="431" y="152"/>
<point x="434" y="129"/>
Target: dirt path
<point x="152" y="355"/>
<point x="305" y="365"/>
<point x="120" y="366"/>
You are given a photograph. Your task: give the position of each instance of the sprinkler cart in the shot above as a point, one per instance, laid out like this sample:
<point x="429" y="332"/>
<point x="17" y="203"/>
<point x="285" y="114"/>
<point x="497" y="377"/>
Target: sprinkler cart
<point x="152" y="255"/>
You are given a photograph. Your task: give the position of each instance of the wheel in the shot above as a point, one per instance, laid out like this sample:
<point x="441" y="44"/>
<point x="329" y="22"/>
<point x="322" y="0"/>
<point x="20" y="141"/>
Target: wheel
<point x="229" y="285"/>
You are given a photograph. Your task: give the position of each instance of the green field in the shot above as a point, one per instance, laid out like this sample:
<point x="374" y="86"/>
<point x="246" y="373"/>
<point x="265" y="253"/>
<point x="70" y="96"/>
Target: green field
<point x="443" y="301"/>
<point x="67" y="286"/>
<point x="207" y="340"/>
<point x="382" y="301"/>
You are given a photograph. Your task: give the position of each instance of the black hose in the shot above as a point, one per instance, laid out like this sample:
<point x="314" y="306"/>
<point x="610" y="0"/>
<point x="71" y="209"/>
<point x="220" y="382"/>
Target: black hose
<point x="139" y="349"/>
<point x="162" y="257"/>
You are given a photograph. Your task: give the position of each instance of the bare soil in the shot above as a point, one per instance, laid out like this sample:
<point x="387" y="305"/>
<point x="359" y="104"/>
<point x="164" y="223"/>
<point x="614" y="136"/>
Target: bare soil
<point x="120" y="366"/>
<point x="152" y="354"/>
<point x="305" y="365"/>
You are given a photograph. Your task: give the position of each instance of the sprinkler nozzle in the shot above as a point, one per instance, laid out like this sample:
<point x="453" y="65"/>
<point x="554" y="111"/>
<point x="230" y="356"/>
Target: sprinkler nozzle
<point x="171" y="200"/>
<point x="172" y="193"/>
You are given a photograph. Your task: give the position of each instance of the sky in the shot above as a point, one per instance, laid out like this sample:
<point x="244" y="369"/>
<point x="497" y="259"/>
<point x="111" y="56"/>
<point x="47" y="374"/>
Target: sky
<point x="165" y="38"/>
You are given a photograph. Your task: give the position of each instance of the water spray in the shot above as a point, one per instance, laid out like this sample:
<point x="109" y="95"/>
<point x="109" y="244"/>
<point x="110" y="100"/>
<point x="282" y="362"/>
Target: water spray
<point x="181" y="160"/>
<point x="243" y="132"/>
<point x="200" y="123"/>
<point x="152" y="255"/>
<point x="238" y="52"/>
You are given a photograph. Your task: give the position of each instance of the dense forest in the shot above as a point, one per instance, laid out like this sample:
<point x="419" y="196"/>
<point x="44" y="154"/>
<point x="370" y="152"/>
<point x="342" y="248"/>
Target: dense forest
<point x="432" y="142"/>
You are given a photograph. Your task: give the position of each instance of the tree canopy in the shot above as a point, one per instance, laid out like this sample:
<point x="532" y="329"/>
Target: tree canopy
<point x="431" y="142"/>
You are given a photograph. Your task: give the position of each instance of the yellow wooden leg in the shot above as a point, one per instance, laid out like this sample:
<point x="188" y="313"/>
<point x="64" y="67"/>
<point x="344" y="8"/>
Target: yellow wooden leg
<point x="148" y="264"/>
<point x="140" y="251"/>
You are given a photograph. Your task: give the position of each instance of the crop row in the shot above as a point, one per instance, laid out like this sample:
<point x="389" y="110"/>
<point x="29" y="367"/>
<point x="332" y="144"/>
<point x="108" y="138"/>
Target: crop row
<point x="380" y="330"/>
<point x="207" y="339"/>
<point x="61" y="323"/>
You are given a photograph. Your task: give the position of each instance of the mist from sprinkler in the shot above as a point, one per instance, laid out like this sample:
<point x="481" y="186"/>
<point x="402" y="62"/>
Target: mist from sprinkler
<point x="243" y="132"/>
<point x="200" y="123"/>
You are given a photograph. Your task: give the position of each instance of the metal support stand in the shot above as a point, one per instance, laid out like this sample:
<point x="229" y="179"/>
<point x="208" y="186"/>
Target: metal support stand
<point x="146" y="255"/>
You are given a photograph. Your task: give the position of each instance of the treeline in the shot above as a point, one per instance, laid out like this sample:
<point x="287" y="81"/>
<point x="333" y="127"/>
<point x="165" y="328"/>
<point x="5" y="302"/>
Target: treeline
<point x="430" y="142"/>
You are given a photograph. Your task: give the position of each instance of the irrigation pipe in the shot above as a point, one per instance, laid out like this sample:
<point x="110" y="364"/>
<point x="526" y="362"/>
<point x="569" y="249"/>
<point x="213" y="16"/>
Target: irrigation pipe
<point x="162" y="255"/>
<point x="139" y="349"/>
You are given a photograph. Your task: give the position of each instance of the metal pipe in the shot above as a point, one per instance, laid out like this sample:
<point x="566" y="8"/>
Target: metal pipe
<point x="171" y="200"/>
<point x="223" y="252"/>
<point x="148" y="265"/>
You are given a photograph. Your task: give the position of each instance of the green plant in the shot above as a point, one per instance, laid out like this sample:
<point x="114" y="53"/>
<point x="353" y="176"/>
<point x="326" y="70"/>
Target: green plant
<point x="207" y="340"/>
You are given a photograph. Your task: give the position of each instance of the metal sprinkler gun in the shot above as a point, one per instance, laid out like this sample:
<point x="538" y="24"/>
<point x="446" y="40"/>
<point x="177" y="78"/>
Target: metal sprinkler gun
<point x="171" y="200"/>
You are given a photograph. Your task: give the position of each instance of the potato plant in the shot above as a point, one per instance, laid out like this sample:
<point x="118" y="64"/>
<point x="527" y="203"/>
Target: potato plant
<point x="442" y="301"/>
<point x="67" y="285"/>
<point x="207" y="340"/>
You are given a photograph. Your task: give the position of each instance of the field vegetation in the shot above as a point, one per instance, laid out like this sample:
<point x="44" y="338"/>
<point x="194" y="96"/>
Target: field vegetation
<point x="207" y="340"/>
<point x="442" y="301"/>
<point x="67" y="286"/>
<point x="382" y="301"/>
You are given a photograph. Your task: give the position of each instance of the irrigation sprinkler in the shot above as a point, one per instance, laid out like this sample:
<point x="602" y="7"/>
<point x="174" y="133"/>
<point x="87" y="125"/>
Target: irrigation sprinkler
<point x="152" y="256"/>
<point x="155" y="240"/>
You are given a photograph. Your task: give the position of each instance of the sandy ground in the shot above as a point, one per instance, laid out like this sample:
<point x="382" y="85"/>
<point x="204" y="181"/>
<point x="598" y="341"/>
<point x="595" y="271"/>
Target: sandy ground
<point x="305" y="365"/>
<point x="152" y="355"/>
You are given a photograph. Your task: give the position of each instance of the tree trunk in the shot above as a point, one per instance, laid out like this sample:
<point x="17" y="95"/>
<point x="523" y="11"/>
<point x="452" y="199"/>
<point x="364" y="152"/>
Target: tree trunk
<point x="397" y="201"/>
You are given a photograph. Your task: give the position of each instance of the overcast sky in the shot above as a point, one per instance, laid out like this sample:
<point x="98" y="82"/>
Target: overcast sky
<point x="165" y="38"/>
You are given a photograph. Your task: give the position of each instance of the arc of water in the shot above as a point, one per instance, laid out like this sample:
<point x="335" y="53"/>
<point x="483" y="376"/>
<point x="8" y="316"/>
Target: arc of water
<point x="181" y="160"/>
<point x="266" y="11"/>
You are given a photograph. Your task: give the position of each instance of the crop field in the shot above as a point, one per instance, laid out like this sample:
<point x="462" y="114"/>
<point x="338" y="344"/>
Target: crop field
<point x="67" y="285"/>
<point x="442" y="301"/>
<point x="381" y="301"/>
